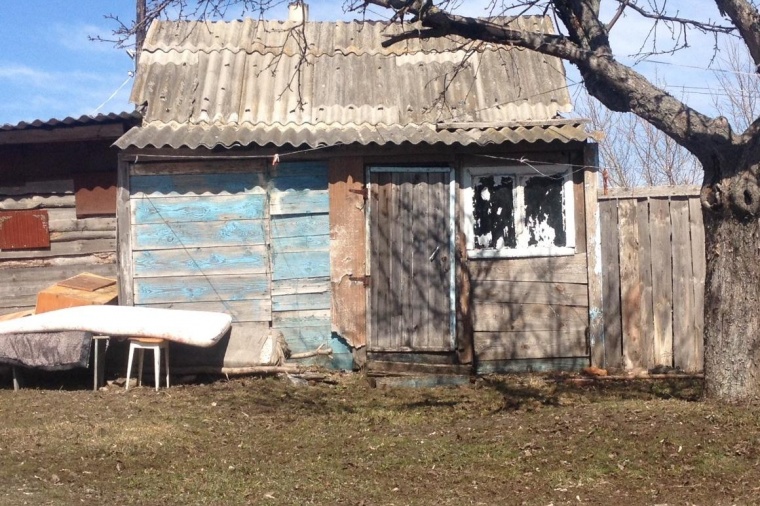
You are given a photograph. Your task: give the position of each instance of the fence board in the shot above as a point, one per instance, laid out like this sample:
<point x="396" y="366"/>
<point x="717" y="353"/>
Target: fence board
<point x="630" y="282"/>
<point x="613" y="337"/>
<point x="683" y="291"/>
<point x="645" y="271"/>
<point x="662" y="284"/>
<point x="699" y="272"/>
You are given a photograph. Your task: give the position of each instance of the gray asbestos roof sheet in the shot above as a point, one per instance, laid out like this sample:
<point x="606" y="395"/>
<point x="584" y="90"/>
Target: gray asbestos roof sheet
<point x="243" y="82"/>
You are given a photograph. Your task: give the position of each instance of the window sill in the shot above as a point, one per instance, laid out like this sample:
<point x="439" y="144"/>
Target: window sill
<point x="519" y="253"/>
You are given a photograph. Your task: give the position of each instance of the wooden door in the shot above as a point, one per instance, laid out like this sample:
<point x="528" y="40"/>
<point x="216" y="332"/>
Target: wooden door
<point x="411" y="260"/>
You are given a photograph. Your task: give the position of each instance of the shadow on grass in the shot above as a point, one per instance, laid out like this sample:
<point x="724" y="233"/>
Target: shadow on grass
<point x="532" y="392"/>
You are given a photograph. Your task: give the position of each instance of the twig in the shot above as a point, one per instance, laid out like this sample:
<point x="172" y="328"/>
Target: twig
<point x="308" y="354"/>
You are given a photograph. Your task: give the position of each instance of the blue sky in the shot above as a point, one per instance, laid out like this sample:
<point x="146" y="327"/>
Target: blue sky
<point x="49" y="68"/>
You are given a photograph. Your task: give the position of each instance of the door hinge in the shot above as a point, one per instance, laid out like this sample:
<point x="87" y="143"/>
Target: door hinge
<point x="365" y="280"/>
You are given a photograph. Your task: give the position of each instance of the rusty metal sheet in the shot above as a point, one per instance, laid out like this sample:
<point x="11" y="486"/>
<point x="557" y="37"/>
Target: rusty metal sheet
<point x="24" y="229"/>
<point x="95" y="194"/>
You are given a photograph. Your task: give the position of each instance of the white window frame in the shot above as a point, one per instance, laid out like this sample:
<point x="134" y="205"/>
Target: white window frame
<point x="520" y="175"/>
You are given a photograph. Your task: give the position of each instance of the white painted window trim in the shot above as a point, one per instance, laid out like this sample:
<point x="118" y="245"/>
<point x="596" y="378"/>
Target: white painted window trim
<point x="520" y="173"/>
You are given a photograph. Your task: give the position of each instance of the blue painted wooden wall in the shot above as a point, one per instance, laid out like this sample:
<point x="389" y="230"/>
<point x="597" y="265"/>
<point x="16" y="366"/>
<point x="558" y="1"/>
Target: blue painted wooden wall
<point x="300" y="255"/>
<point x="242" y="243"/>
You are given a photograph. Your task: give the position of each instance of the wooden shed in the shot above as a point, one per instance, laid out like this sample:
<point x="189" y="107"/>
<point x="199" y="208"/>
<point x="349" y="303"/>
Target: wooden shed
<point x="421" y="207"/>
<point x="57" y="203"/>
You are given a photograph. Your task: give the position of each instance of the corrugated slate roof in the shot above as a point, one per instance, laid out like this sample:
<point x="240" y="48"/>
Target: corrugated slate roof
<point x="244" y="82"/>
<point x="73" y="122"/>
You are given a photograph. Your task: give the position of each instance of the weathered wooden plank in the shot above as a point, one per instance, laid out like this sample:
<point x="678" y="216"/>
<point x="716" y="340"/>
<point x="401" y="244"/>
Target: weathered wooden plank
<point x="300" y="264"/>
<point x="288" y="183"/>
<point x="206" y="166"/>
<point x="566" y="269"/>
<point x="101" y="258"/>
<point x="163" y="186"/>
<point x="184" y="209"/>
<point x="380" y="306"/>
<point x="348" y="249"/>
<point x="684" y="328"/>
<point x="535" y="344"/>
<point x="303" y="243"/>
<point x="37" y="202"/>
<point x="650" y="191"/>
<point x="613" y="332"/>
<point x="201" y="288"/>
<point x="199" y="261"/>
<point x="299" y="202"/>
<point x="527" y="317"/>
<point x="439" y="251"/>
<point x="662" y="281"/>
<point x="82" y="235"/>
<point x="79" y="225"/>
<point x="50" y="186"/>
<point x="532" y="365"/>
<point x="420" y="223"/>
<point x="30" y="280"/>
<point x="298" y="226"/>
<point x="699" y="273"/>
<point x="302" y="301"/>
<point x="299" y="169"/>
<point x="18" y="301"/>
<point x="296" y="286"/>
<point x="592" y="236"/>
<point x="254" y="310"/>
<point x="198" y="235"/>
<point x="579" y="207"/>
<point x="630" y="283"/>
<point x="401" y="266"/>
<point x="645" y="273"/>
<point x="307" y="318"/>
<point x="124" y="235"/>
<point x="70" y="248"/>
<point x="524" y="292"/>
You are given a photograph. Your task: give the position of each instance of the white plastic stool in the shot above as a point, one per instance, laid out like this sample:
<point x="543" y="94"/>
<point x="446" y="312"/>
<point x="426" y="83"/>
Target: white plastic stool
<point x="148" y="343"/>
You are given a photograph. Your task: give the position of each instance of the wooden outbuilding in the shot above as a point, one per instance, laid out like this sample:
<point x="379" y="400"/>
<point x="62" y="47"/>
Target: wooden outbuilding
<point x="423" y="206"/>
<point x="57" y="203"/>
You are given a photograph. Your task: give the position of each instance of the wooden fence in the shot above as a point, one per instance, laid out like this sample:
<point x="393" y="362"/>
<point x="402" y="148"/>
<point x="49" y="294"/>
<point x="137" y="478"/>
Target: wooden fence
<point x="653" y="260"/>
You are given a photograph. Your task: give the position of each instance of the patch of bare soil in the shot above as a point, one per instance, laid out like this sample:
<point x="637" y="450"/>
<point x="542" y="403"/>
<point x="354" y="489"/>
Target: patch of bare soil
<point x="506" y="440"/>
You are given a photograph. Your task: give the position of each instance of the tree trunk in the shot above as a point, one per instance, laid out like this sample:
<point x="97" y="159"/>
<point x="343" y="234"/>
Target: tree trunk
<point x="732" y="293"/>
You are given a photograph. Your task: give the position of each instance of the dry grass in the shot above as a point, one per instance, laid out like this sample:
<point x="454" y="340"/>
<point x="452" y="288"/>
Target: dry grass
<point x="512" y="440"/>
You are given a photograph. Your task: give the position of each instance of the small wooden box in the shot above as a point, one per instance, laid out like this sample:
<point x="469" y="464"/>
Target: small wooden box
<point x="82" y="290"/>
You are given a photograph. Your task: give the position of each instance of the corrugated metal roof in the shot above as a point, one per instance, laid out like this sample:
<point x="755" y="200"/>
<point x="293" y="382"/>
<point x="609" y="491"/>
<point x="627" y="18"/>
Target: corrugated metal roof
<point x="72" y="122"/>
<point x="243" y="82"/>
<point x="177" y="135"/>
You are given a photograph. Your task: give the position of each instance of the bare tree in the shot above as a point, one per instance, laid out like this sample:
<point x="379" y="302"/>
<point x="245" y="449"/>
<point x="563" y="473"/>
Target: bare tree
<point x="634" y="153"/>
<point x="730" y="158"/>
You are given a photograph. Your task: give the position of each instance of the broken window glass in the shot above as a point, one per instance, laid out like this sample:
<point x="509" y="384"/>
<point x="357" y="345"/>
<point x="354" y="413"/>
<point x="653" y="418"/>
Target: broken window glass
<point x="544" y="222"/>
<point x="493" y="212"/>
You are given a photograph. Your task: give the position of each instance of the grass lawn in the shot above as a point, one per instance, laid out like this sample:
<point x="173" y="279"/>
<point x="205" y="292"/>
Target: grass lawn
<point x="506" y="440"/>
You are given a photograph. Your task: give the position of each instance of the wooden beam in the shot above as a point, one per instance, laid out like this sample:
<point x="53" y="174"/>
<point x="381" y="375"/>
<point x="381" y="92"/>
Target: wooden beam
<point x="650" y="191"/>
<point x="62" y="134"/>
<point x="593" y="236"/>
<point x="124" y="235"/>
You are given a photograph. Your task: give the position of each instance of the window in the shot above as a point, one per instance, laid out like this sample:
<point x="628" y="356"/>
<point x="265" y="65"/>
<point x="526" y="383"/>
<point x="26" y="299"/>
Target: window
<point x="519" y="211"/>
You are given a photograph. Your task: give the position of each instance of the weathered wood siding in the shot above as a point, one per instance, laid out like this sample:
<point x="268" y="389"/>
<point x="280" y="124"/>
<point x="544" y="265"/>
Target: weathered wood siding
<point x="532" y="314"/>
<point x="299" y="206"/>
<point x="76" y="245"/>
<point x="654" y="275"/>
<point x="252" y="243"/>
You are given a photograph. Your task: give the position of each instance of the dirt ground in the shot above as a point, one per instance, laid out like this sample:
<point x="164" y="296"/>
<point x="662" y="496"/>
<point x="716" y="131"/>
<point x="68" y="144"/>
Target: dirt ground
<point x="506" y="440"/>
